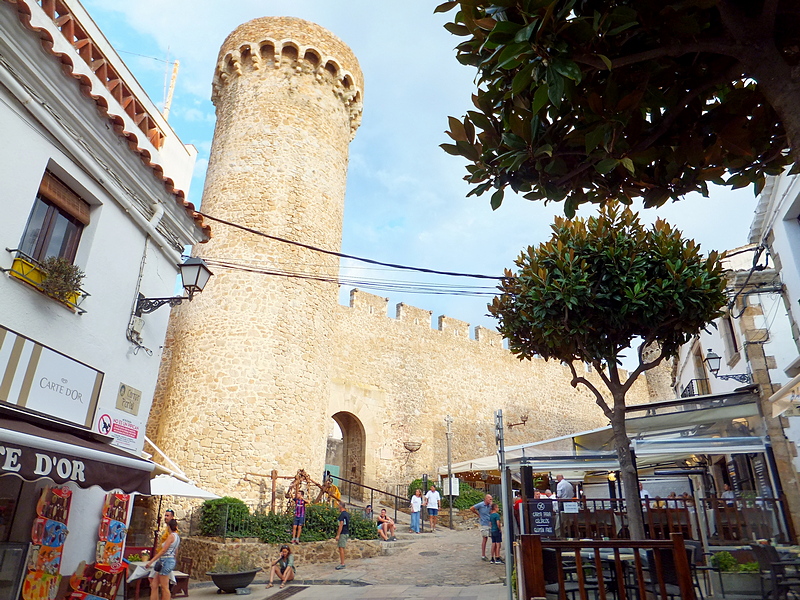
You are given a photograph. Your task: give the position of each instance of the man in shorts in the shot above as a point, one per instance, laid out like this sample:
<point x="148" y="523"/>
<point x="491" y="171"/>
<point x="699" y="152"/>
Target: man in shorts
<point x="483" y="510"/>
<point x="299" y="516"/>
<point x="432" y="499"/>
<point x="342" y="533"/>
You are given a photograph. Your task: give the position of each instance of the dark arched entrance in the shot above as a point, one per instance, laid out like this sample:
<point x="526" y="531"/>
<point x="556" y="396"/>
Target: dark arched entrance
<point x="349" y="453"/>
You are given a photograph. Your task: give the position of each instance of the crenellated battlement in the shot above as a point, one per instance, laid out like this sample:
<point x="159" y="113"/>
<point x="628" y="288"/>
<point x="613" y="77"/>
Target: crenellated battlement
<point x="362" y="301"/>
<point x="297" y="48"/>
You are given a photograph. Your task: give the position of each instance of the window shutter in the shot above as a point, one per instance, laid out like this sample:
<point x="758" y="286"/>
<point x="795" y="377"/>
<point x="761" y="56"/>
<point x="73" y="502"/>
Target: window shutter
<point x="64" y="198"/>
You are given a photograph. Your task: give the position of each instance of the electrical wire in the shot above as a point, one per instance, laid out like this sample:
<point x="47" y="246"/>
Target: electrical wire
<point x="350" y="256"/>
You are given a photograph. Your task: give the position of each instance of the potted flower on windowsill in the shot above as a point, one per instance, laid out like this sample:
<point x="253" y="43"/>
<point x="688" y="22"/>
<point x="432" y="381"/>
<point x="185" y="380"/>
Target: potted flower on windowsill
<point x="61" y="279"/>
<point x="232" y="573"/>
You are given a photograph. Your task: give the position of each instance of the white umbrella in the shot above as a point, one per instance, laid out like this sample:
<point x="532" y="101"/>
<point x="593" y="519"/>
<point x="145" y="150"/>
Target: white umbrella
<point x="167" y="485"/>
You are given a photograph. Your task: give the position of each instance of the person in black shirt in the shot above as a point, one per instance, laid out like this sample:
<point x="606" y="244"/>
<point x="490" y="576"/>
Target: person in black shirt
<point x="343" y="532"/>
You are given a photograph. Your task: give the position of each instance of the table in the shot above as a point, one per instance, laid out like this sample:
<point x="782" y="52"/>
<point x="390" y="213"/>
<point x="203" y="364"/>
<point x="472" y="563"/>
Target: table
<point x="174" y="576"/>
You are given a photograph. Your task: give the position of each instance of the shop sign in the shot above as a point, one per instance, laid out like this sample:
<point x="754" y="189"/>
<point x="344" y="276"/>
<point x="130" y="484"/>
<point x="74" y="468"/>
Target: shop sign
<point x="542" y="517"/>
<point x="31" y="464"/>
<point x="41" y="379"/>
<point x="128" y="399"/>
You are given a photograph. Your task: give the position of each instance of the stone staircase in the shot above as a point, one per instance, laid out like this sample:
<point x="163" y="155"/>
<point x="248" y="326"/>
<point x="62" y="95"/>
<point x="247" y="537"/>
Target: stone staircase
<point x="403" y="542"/>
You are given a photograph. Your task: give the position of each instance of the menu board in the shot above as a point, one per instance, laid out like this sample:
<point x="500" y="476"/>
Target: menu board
<point x="542" y="517"/>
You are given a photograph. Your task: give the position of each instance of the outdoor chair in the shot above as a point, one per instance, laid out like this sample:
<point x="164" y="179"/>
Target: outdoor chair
<point x="699" y="563"/>
<point x="782" y="577"/>
<point x="181" y="587"/>
<point x="669" y="573"/>
<point x="571" y="587"/>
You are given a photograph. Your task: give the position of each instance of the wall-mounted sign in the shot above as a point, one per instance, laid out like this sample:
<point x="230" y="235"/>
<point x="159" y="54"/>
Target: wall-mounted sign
<point x="124" y="431"/>
<point x="128" y="399"/>
<point x="39" y="378"/>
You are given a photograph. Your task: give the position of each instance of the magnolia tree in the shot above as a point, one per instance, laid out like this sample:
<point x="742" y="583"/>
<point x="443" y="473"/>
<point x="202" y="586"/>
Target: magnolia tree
<point x="591" y="100"/>
<point x="596" y="286"/>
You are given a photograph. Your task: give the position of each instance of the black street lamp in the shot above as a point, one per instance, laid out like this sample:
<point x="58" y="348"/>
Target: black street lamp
<point x="713" y="361"/>
<point x="194" y="276"/>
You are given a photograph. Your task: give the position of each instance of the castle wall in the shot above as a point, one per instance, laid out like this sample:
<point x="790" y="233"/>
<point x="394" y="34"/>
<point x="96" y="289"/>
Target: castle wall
<point x="401" y="377"/>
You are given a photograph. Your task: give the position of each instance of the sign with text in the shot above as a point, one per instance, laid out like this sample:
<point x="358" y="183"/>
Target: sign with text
<point x="41" y="379"/>
<point x="570" y="507"/>
<point x="128" y="399"/>
<point x="542" y="517"/>
<point x="124" y="431"/>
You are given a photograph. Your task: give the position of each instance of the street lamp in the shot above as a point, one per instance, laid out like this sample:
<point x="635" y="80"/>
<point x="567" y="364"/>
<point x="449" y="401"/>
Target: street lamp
<point x="713" y="361"/>
<point x="194" y="276"/>
<point x="522" y="420"/>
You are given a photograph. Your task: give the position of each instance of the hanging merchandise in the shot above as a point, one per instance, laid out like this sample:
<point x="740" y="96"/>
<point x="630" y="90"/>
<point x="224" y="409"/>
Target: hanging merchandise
<point x="101" y="580"/>
<point x="48" y="534"/>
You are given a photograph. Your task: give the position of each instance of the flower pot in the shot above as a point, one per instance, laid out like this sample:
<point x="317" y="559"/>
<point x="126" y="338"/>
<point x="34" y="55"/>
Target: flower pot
<point x="748" y="584"/>
<point x="228" y="583"/>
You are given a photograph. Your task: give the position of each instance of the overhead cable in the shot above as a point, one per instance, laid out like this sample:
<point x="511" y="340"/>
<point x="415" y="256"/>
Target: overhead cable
<point x="350" y="256"/>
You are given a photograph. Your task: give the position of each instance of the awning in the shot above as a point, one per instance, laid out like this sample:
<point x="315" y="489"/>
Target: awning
<point x="785" y="398"/>
<point x="166" y="485"/>
<point x="33" y="452"/>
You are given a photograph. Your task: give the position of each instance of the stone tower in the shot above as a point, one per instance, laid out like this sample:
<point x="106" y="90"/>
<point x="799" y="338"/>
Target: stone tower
<point x="247" y="363"/>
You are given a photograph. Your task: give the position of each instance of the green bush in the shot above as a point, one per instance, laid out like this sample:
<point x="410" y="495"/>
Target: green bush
<point x="414" y="486"/>
<point x="467" y="496"/>
<point x="724" y="561"/>
<point x="225" y="517"/>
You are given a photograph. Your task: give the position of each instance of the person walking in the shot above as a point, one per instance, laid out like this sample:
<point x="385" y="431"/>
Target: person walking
<point x="386" y="527"/>
<point x="299" y="516"/>
<point x="432" y="499"/>
<point x="497" y="535"/>
<point x="283" y="568"/>
<point x="163" y="563"/>
<point x="342" y="533"/>
<point x="416" y="510"/>
<point x="483" y="510"/>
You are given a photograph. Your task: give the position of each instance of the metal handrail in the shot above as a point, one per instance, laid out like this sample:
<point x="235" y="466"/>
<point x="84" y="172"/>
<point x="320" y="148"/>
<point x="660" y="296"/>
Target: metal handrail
<point x="350" y="484"/>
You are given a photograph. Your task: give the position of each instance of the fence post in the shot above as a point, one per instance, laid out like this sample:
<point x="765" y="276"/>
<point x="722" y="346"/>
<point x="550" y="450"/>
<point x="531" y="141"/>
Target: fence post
<point x="225" y="525"/>
<point x="274" y="476"/>
<point x="682" y="567"/>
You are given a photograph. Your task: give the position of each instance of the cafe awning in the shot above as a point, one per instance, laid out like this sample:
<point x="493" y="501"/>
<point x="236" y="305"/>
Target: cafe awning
<point x="32" y="452"/>
<point x="167" y="485"/>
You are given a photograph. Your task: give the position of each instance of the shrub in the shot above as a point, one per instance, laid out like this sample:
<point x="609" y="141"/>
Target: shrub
<point x="414" y="486"/>
<point x="724" y="561"/>
<point x="467" y="496"/>
<point x="225" y="517"/>
<point x="61" y="279"/>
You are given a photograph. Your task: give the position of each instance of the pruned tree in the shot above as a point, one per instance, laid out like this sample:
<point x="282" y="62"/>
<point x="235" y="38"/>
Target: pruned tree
<point x="594" y="288"/>
<point x="591" y="100"/>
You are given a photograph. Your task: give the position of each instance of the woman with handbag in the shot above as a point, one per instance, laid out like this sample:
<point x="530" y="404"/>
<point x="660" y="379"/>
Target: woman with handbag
<point x="164" y="563"/>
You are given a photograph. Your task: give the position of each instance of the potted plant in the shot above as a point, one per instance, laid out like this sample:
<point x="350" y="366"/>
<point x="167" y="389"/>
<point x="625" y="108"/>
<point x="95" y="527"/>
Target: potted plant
<point x="231" y="573"/>
<point x="61" y="279"/>
<point x="740" y="578"/>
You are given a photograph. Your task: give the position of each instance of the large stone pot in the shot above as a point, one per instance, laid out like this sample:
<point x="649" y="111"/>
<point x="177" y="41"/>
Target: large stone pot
<point x="741" y="584"/>
<point x="229" y="582"/>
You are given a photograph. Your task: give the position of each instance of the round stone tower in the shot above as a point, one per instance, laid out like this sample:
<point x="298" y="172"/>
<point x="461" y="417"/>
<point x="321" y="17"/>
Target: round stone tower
<point x="247" y="382"/>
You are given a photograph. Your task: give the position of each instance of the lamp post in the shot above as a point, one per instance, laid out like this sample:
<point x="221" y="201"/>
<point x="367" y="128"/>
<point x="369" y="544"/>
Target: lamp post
<point x="501" y="462"/>
<point x="194" y="277"/>
<point x="448" y="421"/>
<point x="713" y="360"/>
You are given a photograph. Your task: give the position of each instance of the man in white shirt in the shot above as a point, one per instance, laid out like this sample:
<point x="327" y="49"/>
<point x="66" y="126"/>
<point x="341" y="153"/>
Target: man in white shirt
<point x="432" y="499"/>
<point x="643" y="493"/>
<point x="564" y="489"/>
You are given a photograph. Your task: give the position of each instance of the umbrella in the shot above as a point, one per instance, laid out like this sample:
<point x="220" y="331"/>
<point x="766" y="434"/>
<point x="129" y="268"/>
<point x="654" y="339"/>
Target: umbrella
<point x="167" y="485"/>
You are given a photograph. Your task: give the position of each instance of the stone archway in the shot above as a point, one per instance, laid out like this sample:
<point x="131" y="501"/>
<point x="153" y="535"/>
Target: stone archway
<point x="351" y="457"/>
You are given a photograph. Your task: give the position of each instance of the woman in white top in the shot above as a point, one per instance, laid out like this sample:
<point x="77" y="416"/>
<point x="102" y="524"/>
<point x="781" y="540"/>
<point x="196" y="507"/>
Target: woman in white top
<point x="416" y="508"/>
<point x="165" y="562"/>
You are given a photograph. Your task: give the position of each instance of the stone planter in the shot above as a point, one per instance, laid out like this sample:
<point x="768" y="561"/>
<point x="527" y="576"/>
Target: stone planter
<point x="228" y="583"/>
<point x="745" y="584"/>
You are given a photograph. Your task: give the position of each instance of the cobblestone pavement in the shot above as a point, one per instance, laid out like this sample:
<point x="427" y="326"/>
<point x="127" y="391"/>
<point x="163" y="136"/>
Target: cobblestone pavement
<point x="442" y="558"/>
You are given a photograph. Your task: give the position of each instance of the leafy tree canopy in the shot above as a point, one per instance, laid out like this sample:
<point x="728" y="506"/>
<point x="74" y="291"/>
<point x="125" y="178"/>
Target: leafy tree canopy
<point x="598" y="283"/>
<point x="590" y="100"/>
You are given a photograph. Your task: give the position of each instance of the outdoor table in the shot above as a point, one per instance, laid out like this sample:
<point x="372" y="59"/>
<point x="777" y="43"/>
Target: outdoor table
<point x="138" y="581"/>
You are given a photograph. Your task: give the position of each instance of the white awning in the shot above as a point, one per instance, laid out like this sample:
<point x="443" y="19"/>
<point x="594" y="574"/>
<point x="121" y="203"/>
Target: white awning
<point x="785" y="398"/>
<point x="166" y="485"/>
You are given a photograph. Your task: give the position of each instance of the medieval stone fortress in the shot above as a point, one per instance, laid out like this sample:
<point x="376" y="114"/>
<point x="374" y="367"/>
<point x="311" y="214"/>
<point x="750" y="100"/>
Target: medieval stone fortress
<point x="258" y="367"/>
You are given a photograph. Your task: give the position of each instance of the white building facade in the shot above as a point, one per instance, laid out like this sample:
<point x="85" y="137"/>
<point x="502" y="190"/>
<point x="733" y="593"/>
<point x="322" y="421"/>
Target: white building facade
<point x="91" y="174"/>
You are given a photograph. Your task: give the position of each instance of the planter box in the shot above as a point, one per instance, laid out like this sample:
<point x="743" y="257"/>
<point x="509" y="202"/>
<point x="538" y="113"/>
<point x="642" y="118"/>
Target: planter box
<point x="748" y="584"/>
<point x="30" y="273"/>
<point x="230" y="582"/>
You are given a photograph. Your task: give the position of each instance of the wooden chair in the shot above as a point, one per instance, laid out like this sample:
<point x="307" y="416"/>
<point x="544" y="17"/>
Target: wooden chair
<point x="181" y="587"/>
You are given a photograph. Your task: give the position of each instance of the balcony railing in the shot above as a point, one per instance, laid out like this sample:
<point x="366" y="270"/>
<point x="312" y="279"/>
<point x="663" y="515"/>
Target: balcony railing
<point x="696" y="387"/>
<point x="29" y="270"/>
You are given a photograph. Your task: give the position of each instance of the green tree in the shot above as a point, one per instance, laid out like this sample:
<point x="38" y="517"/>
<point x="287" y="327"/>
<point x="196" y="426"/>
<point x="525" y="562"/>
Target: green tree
<point x="590" y="100"/>
<point x="596" y="286"/>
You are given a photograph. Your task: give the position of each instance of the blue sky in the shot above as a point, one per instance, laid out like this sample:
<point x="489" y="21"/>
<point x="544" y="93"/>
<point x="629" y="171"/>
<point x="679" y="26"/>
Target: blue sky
<point x="406" y="200"/>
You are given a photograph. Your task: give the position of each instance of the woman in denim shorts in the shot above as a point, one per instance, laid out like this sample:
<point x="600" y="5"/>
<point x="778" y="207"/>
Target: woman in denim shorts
<point x="164" y="562"/>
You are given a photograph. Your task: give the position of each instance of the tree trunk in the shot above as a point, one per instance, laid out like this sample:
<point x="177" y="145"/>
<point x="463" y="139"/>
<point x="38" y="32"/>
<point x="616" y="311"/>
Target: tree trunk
<point x="630" y="480"/>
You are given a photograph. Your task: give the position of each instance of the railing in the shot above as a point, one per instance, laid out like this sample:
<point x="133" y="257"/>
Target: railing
<point x="361" y="489"/>
<point x="28" y="269"/>
<point x="696" y="387"/>
<point x="607" y="518"/>
<point x="742" y="520"/>
<point x="652" y="569"/>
